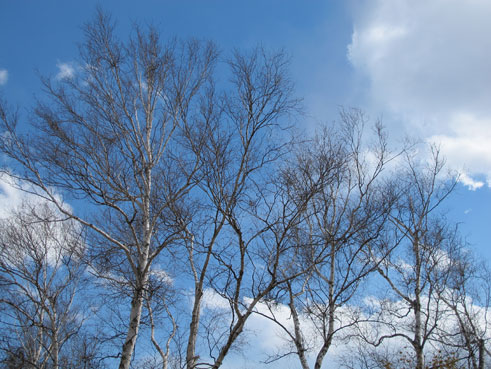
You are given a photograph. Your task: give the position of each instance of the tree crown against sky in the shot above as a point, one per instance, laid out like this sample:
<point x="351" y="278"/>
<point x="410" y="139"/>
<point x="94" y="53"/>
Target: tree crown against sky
<point x="225" y="212"/>
<point x="171" y="165"/>
<point x="344" y="53"/>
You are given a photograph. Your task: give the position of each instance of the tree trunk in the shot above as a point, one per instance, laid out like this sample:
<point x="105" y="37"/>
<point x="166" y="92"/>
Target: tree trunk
<point x="191" y="358"/>
<point x="330" y="328"/>
<point x="419" y="357"/>
<point x="481" y="353"/>
<point x="299" y="342"/>
<point x="327" y="342"/>
<point x="418" y="349"/>
<point x="417" y="344"/>
<point x="55" y="354"/>
<point x="235" y="331"/>
<point x="133" y="327"/>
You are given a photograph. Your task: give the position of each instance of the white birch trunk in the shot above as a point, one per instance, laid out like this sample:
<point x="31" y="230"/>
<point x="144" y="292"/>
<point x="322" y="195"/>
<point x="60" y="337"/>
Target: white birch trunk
<point x="133" y="327"/>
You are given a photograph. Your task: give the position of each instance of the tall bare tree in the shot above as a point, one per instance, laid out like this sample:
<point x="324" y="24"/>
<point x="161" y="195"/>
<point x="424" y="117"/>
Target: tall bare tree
<point x="467" y="294"/>
<point x="416" y="271"/>
<point x="345" y="216"/>
<point x="237" y="227"/>
<point x="41" y="276"/>
<point x="110" y="135"/>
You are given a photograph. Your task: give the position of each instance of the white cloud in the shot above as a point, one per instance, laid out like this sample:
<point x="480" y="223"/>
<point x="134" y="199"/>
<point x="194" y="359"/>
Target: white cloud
<point x="65" y="70"/>
<point x="16" y="195"/>
<point x="212" y="300"/>
<point x="10" y="196"/>
<point x="427" y="63"/>
<point x="19" y="202"/>
<point x="470" y="183"/>
<point x="4" y="76"/>
<point x="161" y="275"/>
<point x="269" y="336"/>
<point x="467" y="147"/>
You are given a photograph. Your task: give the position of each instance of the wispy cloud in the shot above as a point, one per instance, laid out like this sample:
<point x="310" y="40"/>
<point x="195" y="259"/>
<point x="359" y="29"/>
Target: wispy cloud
<point x="426" y="63"/>
<point x="470" y="183"/>
<point x="4" y="76"/>
<point x="65" y="70"/>
<point x="14" y="194"/>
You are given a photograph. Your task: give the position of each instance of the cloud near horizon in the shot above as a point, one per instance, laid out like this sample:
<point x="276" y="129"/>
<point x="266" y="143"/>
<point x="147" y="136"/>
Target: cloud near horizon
<point x="427" y="64"/>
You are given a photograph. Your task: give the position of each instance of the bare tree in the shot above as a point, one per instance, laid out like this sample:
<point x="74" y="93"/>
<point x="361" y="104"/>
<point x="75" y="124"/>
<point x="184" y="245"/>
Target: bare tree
<point x="109" y="136"/>
<point x="41" y="274"/>
<point x="467" y="295"/>
<point x="415" y="272"/>
<point x="237" y="227"/>
<point x="345" y="215"/>
<point x="166" y="167"/>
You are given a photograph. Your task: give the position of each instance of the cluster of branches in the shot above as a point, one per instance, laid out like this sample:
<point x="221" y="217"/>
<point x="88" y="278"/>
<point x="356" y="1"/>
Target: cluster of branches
<point x="385" y="271"/>
<point x="197" y="209"/>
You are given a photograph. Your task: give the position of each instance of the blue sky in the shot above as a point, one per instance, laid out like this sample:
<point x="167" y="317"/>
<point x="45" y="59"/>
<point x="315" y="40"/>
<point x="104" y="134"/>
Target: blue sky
<point x="422" y="66"/>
